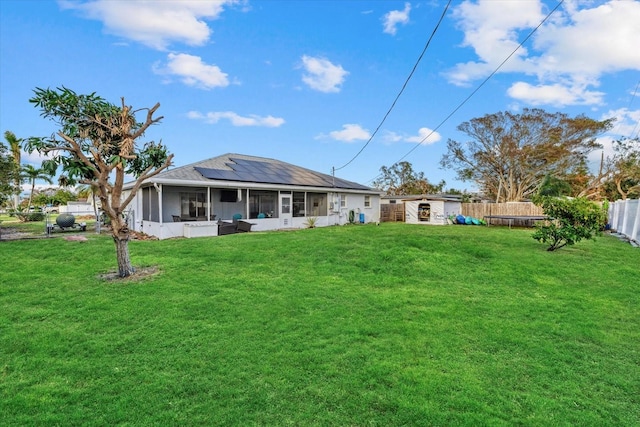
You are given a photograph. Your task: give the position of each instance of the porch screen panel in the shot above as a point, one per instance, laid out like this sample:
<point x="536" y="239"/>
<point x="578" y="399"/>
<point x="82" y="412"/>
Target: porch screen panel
<point x="145" y="204"/>
<point x="316" y="204"/>
<point x="298" y="203"/>
<point x="263" y="204"/>
<point x="193" y="205"/>
<point x="154" y="206"/>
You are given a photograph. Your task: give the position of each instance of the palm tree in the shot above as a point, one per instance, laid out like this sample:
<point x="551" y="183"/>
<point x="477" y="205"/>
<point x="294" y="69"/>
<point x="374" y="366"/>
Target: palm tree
<point x="15" y="145"/>
<point x="32" y="174"/>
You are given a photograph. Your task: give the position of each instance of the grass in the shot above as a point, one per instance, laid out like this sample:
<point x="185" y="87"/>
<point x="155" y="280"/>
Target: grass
<point x="353" y="325"/>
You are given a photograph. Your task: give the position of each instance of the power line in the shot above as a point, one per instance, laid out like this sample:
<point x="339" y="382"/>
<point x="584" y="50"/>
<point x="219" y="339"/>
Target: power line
<point x="630" y="101"/>
<point x="401" y="90"/>
<point x="480" y="85"/>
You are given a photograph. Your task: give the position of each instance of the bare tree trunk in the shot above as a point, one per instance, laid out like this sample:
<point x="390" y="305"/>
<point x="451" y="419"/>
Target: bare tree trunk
<point x="120" y="233"/>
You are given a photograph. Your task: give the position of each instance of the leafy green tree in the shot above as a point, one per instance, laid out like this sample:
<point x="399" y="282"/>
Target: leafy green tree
<point x="401" y="179"/>
<point x="509" y="154"/>
<point x="15" y="145"/>
<point x="54" y="196"/>
<point x="624" y="168"/>
<point x="571" y="221"/>
<point x="9" y="175"/>
<point x="552" y="186"/>
<point x="33" y="174"/>
<point x="97" y="144"/>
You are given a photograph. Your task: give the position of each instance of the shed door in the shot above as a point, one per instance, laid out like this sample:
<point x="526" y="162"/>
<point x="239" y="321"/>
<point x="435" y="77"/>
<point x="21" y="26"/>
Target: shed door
<point x="424" y="212"/>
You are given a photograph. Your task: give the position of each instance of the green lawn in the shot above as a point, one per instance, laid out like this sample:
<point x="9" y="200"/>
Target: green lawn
<point x="346" y="326"/>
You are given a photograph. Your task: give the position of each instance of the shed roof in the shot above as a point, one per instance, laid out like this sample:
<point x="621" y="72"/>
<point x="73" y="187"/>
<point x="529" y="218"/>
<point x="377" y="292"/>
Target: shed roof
<point x="441" y="197"/>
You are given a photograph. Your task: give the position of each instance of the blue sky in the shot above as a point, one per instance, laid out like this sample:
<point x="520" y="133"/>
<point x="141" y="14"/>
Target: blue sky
<point x="309" y="82"/>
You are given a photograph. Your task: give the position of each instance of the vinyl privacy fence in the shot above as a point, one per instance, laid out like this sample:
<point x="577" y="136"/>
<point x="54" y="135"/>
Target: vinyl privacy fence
<point x="624" y="218"/>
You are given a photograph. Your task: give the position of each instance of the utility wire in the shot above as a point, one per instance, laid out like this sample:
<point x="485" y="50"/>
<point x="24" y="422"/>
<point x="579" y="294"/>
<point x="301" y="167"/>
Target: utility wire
<point x="628" y="108"/>
<point x="637" y="124"/>
<point x="455" y="110"/>
<point x="401" y="90"/>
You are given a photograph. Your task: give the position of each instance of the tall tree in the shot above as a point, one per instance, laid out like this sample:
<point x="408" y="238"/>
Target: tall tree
<point x="97" y="144"/>
<point x="509" y="154"/>
<point x="9" y="174"/>
<point x="401" y="179"/>
<point x="624" y="167"/>
<point x="31" y="174"/>
<point x="15" y="145"/>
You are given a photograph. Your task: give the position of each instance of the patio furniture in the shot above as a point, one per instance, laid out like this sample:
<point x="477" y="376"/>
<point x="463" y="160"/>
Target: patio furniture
<point x="244" y="226"/>
<point x="227" y="228"/>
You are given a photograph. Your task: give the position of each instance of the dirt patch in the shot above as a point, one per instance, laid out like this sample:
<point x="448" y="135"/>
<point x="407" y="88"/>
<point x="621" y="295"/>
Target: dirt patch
<point x="10" y="233"/>
<point x="76" y="238"/>
<point x="140" y="274"/>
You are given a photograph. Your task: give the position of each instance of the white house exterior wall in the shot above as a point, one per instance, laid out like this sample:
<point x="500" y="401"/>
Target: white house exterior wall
<point x="170" y="205"/>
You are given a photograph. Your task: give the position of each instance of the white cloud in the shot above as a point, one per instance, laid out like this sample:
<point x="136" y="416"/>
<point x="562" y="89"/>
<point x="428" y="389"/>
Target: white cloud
<point x="192" y="71"/>
<point x="392" y="19"/>
<point x="154" y="23"/>
<point x="35" y="158"/>
<point x="592" y="41"/>
<point x="626" y="124"/>
<point x="569" y="54"/>
<point x="236" y="119"/>
<point x="390" y="137"/>
<point x="425" y="136"/>
<point x="322" y="75"/>
<point x="556" y="94"/>
<point x="350" y="133"/>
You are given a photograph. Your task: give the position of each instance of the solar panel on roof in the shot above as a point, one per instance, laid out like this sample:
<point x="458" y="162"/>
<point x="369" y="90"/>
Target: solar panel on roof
<point x="243" y="170"/>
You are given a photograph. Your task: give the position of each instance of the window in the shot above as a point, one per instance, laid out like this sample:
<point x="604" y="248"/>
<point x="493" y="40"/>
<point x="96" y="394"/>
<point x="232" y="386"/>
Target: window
<point x="262" y="204"/>
<point x="343" y="200"/>
<point x="298" y="204"/>
<point x="230" y="196"/>
<point x="193" y="205"/>
<point x="316" y="204"/>
<point x="367" y="201"/>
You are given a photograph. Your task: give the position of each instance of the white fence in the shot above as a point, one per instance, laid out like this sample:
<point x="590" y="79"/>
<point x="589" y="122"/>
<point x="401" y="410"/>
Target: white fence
<point x="624" y="218"/>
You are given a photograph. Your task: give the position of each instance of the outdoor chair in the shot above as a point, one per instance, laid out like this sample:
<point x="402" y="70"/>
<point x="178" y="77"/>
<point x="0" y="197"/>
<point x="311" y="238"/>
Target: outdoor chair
<point x="227" y="228"/>
<point x="244" y="226"/>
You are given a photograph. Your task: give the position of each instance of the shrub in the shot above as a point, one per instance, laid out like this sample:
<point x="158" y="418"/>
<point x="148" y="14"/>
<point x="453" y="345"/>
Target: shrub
<point x="311" y="222"/>
<point x="30" y="216"/>
<point x="25" y="215"/>
<point x="571" y="221"/>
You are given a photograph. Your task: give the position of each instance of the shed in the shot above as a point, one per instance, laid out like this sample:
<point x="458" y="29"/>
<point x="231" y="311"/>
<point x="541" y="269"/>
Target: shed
<point x="431" y="209"/>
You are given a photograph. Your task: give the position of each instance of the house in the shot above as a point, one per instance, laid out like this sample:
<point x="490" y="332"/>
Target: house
<point x="206" y="198"/>
<point x="425" y="209"/>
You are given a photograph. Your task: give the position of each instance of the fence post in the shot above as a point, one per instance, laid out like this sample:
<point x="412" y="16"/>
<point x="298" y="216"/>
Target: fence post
<point x="616" y="215"/>
<point x="636" y="225"/>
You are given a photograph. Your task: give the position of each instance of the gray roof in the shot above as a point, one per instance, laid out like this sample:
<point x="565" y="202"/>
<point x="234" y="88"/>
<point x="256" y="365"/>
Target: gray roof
<point x="442" y="196"/>
<point x="250" y="169"/>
